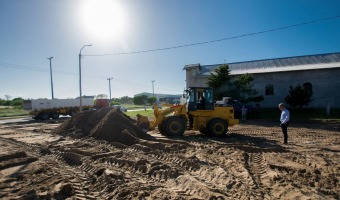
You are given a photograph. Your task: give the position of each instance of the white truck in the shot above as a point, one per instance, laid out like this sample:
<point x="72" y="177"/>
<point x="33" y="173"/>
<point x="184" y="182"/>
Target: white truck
<point x="43" y="109"/>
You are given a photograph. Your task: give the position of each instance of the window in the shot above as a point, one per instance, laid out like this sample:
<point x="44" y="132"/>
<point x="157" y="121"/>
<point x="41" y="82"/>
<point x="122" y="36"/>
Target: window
<point x="269" y="89"/>
<point x="308" y="87"/>
<point x="208" y="95"/>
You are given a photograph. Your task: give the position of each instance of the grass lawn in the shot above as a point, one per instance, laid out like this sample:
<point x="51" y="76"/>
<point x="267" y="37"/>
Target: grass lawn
<point x="148" y="113"/>
<point x="12" y="112"/>
<point x="134" y="107"/>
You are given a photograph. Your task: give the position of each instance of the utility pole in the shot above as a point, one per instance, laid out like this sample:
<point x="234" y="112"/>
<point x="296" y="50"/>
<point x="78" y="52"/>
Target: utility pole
<point x="109" y="79"/>
<point x="153" y="90"/>
<point x="50" y="58"/>
<point x="80" y="95"/>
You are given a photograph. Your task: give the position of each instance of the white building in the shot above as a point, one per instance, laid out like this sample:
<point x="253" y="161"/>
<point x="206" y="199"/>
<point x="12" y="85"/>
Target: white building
<point x="273" y="77"/>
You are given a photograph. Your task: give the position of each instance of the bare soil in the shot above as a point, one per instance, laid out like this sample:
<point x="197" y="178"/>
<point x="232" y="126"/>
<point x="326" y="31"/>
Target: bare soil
<point x="103" y="155"/>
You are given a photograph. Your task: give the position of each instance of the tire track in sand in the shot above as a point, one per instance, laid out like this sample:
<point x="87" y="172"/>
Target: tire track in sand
<point x="61" y="165"/>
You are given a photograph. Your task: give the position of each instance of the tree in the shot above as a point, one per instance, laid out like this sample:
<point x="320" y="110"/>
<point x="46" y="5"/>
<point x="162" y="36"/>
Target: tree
<point x="140" y="100"/>
<point x="17" y="102"/>
<point x="152" y="100"/>
<point x="239" y="87"/>
<point x="244" y="89"/>
<point x="126" y="99"/>
<point x="219" y="81"/>
<point x="299" y="96"/>
<point x="122" y="100"/>
<point x="2" y="102"/>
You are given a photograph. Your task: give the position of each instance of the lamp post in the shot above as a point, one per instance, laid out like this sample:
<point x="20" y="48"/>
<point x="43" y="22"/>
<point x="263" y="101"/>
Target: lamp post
<point x="109" y="79"/>
<point x="80" y="95"/>
<point x="50" y="58"/>
<point x="153" y="91"/>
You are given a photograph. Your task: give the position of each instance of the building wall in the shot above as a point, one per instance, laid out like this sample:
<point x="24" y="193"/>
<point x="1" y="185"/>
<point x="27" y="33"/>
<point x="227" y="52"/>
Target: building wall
<point x="325" y="85"/>
<point x="193" y="79"/>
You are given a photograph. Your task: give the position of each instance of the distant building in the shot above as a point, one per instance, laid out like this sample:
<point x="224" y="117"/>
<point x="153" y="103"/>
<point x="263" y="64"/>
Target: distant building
<point x="272" y="77"/>
<point x="163" y="98"/>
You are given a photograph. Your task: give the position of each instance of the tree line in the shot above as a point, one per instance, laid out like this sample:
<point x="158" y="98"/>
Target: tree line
<point x="138" y="100"/>
<point x="13" y="102"/>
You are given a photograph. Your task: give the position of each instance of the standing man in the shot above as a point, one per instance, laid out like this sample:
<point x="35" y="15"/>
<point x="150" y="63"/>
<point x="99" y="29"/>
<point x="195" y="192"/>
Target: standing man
<point x="244" y="113"/>
<point x="284" y="119"/>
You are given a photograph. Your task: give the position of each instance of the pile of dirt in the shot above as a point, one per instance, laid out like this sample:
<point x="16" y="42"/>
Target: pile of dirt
<point x="82" y="123"/>
<point x="105" y="124"/>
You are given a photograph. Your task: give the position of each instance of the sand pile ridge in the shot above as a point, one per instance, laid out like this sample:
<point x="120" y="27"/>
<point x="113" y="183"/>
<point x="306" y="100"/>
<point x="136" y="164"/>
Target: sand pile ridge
<point x="105" y="124"/>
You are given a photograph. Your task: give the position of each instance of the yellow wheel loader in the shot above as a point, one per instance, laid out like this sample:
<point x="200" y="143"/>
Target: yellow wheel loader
<point x="199" y="113"/>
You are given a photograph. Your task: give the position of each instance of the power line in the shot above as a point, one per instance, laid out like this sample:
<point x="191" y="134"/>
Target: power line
<point x="218" y="40"/>
<point x="39" y="69"/>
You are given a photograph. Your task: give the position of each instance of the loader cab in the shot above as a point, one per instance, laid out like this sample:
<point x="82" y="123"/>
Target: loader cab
<point x="200" y="99"/>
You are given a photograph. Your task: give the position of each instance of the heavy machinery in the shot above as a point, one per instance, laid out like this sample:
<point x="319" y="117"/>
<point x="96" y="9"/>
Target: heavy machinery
<point x="200" y="113"/>
<point x="43" y="109"/>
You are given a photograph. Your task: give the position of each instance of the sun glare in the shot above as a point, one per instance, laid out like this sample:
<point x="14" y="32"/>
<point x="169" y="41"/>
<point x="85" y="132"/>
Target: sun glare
<point x="104" y="18"/>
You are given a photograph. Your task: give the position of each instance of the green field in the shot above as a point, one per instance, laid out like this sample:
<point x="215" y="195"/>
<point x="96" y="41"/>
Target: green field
<point x="148" y="113"/>
<point x="12" y="112"/>
<point x="134" y="107"/>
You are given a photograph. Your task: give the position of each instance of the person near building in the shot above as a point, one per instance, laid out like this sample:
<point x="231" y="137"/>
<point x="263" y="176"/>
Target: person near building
<point x="284" y="122"/>
<point x="244" y="113"/>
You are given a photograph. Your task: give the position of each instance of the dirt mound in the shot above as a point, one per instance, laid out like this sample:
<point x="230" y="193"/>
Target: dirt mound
<point x="105" y="124"/>
<point x="82" y="123"/>
<point x="116" y="127"/>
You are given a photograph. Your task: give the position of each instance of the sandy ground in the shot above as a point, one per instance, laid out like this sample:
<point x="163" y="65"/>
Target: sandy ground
<point x="250" y="163"/>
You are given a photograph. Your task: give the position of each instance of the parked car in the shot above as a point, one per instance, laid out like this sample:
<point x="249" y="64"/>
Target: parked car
<point x="121" y="108"/>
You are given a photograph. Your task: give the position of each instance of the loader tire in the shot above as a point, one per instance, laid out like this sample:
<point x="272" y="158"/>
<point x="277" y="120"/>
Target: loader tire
<point x="218" y="127"/>
<point x="161" y="128"/>
<point x="174" y="126"/>
<point x="203" y="130"/>
<point x="54" y="115"/>
<point x="43" y="116"/>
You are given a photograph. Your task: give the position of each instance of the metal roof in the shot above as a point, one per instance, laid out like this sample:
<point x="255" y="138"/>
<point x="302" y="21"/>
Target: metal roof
<point x="320" y="61"/>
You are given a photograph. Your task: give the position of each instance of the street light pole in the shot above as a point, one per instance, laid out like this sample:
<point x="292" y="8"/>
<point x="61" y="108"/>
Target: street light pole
<point x="109" y="79"/>
<point x="50" y="58"/>
<point x="153" y="91"/>
<point x="80" y="95"/>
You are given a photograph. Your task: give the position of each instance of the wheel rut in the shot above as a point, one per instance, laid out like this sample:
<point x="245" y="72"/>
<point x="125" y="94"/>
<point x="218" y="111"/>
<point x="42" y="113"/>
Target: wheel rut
<point x="249" y="163"/>
<point x="60" y="164"/>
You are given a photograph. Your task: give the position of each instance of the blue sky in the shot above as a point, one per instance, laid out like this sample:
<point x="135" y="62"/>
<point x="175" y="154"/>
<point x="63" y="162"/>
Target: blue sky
<point x="31" y="31"/>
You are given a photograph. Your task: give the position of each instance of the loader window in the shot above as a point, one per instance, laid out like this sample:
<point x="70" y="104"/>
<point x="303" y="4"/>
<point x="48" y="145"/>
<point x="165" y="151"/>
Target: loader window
<point x="191" y="97"/>
<point x="201" y="101"/>
<point x="208" y="96"/>
<point x="191" y="106"/>
<point x="209" y="101"/>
